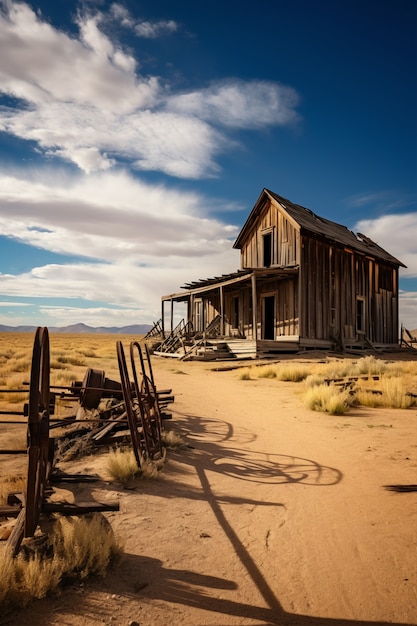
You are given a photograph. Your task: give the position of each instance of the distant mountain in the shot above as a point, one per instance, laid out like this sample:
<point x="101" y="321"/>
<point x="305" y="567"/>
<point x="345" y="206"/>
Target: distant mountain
<point x="83" y="329"/>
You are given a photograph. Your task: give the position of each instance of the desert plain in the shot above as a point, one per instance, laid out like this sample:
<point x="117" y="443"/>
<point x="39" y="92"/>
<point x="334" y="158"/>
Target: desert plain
<point x="269" y="513"/>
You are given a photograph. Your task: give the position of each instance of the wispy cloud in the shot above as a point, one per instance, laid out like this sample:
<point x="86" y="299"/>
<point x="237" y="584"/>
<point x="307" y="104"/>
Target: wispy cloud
<point x="143" y="28"/>
<point x="240" y="104"/>
<point x="382" y="201"/>
<point x="83" y="100"/>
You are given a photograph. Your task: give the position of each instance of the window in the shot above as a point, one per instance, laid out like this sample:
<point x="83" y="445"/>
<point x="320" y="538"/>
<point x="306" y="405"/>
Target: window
<point x="267" y="249"/>
<point x="198" y="315"/>
<point x="360" y="315"/>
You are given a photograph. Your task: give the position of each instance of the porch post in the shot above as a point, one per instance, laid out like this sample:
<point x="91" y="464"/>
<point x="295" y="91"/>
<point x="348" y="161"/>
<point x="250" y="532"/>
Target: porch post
<point x="162" y="318"/>
<point x="254" y="308"/>
<point x="221" y="311"/>
<point x="172" y="314"/>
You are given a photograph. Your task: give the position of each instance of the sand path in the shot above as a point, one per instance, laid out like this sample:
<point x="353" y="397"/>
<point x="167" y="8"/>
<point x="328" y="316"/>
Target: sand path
<point x="272" y="514"/>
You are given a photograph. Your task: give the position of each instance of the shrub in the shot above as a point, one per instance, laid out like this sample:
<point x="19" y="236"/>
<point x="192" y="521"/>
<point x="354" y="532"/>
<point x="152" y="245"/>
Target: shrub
<point x="122" y="465"/>
<point x="84" y="545"/>
<point x="370" y="366"/>
<point x="267" y="371"/>
<point x="78" y="547"/>
<point x="393" y="395"/>
<point x="245" y="374"/>
<point x="314" y="380"/>
<point x="328" y="399"/>
<point x="171" y="439"/>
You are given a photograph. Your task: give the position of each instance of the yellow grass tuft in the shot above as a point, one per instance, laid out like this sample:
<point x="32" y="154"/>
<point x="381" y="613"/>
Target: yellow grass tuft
<point x="245" y="374"/>
<point x="171" y="439"/>
<point x="122" y="465"/>
<point x="328" y="399"/>
<point x="11" y="484"/>
<point x="370" y="366"/>
<point x="393" y="395"/>
<point x="79" y="547"/>
<point x="85" y="545"/>
<point x="38" y="576"/>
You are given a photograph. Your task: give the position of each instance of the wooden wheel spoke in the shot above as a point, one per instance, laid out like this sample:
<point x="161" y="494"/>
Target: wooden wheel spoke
<point x="39" y="455"/>
<point x="133" y="419"/>
<point x="148" y="403"/>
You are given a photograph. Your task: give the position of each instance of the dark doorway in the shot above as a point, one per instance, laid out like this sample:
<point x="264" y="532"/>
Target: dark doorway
<point x="268" y="317"/>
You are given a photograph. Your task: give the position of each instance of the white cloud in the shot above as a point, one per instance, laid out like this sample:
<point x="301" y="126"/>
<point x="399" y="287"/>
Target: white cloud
<point x="148" y="240"/>
<point x="242" y="105"/>
<point x="111" y="217"/>
<point x="143" y="28"/>
<point x="95" y="316"/>
<point x="397" y="235"/>
<point x="151" y="30"/>
<point x="408" y="309"/>
<point x="118" y="284"/>
<point x="84" y="101"/>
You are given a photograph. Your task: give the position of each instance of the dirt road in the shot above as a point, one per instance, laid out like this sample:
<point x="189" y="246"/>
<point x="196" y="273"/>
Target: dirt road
<point x="272" y="514"/>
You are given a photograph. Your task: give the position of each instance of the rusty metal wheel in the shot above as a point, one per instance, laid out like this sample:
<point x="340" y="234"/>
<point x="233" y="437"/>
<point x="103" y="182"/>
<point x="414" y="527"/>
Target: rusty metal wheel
<point x="131" y="412"/>
<point x="92" y="388"/>
<point x="148" y="405"/>
<point x="40" y="452"/>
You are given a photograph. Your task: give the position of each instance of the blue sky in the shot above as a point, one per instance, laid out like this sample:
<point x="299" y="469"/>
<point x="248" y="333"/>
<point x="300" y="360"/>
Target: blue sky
<point x="135" y="138"/>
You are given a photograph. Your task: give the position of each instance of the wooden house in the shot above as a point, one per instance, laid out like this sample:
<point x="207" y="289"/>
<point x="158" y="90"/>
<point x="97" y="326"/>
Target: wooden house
<point x="304" y="282"/>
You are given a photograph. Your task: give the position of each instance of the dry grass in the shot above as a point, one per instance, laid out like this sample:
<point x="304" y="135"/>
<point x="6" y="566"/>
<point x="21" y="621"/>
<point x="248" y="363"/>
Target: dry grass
<point x="79" y="547"/>
<point x="172" y="440"/>
<point x="391" y="382"/>
<point x="328" y="399"/>
<point x="122" y="466"/>
<point x="69" y="353"/>
<point x="11" y="484"/>
<point x="392" y="394"/>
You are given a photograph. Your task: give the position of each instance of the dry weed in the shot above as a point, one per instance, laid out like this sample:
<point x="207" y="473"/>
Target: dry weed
<point x="122" y="466"/>
<point x="78" y="547"/>
<point x="328" y="399"/>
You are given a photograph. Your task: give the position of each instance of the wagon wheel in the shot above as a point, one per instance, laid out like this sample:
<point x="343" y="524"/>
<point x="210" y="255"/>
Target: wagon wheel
<point x="148" y="405"/>
<point x="141" y="410"/>
<point x="92" y="388"/>
<point x="137" y="442"/>
<point x="40" y="452"/>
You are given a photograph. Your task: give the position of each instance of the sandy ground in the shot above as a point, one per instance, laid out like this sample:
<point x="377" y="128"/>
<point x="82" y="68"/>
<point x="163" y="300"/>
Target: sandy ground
<point x="272" y="514"/>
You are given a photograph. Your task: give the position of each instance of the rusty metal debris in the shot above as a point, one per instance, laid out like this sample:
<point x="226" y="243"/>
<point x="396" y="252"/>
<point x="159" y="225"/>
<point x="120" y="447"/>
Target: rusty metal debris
<point x="133" y="402"/>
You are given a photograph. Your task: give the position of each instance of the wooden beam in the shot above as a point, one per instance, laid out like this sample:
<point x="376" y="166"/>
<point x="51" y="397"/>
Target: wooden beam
<point x="221" y="310"/>
<point x="254" y="308"/>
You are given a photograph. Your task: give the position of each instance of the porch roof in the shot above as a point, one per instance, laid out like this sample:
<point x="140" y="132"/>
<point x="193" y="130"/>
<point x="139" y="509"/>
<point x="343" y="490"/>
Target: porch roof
<point x="230" y="280"/>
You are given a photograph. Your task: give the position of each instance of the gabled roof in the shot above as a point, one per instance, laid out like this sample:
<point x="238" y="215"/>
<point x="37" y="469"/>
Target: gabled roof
<point x="309" y="222"/>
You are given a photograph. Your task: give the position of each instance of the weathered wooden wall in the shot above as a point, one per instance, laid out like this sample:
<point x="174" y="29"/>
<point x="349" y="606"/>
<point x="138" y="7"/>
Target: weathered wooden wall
<point x="332" y="281"/>
<point x="285" y="239"/>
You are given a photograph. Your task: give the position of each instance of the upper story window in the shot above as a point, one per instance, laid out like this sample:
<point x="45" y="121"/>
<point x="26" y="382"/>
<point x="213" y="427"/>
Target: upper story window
<point x="267" y="249"/>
